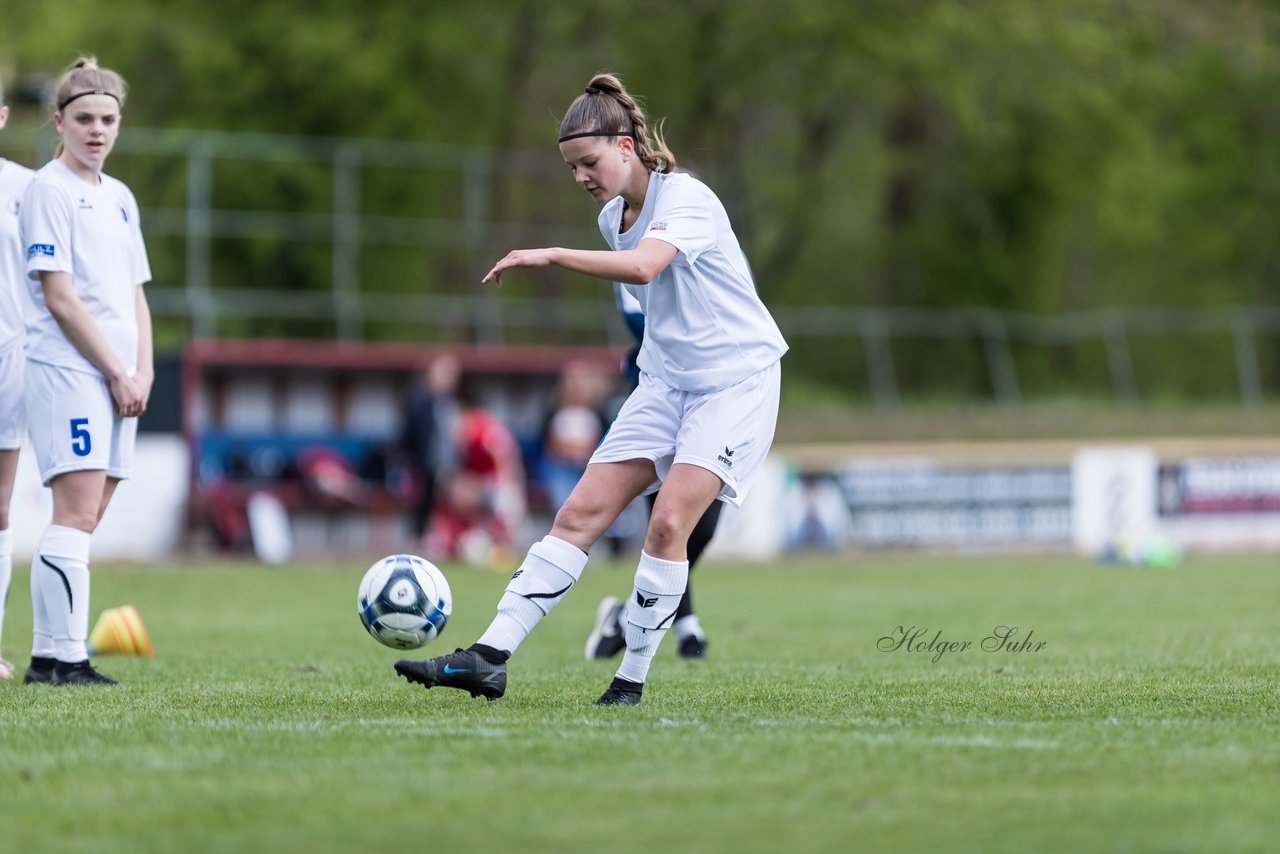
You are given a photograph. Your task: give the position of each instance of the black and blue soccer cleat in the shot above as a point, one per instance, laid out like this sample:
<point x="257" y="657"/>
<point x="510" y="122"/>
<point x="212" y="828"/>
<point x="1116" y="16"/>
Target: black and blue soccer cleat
<point x="464" y="669"/>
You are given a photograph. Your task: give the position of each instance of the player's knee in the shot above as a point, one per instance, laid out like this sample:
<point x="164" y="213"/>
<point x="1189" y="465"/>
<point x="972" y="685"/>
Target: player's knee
<point x="86" y="521"/>
<point x="576" y="516"/>
<point x="667" y="528"/>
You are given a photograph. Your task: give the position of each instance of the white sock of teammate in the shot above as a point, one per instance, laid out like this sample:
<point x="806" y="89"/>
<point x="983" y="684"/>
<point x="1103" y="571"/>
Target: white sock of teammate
<point x="688" y="625"/>
<point x="550" y="569"/>
<point x="61" y="570"/>
<point x="41" y="633"/>
<point x="659" y="586"/>
<point x="6" y="572"/>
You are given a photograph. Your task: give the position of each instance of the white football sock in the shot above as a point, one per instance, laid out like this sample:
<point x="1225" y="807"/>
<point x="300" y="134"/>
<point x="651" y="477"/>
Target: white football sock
<point x="550" y="569"/>
<point x="659" y="586"/>
<point x="62" y="569"/>
<point x="6" y="574"/>
<point x="688" y="625"/>
<point x="41" y="633"/>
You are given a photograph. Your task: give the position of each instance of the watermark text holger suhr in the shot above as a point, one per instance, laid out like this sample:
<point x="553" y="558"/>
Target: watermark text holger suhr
<point x="920" y="639"/>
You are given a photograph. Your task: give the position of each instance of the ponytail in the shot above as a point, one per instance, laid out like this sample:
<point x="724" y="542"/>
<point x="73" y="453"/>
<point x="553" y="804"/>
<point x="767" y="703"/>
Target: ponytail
<point x="605" y="108"/>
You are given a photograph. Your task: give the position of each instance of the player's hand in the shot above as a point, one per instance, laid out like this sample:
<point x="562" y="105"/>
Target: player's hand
<point x="128" y="396"/>
<point x="145" y="381"/>
<point x="518" y="258"/>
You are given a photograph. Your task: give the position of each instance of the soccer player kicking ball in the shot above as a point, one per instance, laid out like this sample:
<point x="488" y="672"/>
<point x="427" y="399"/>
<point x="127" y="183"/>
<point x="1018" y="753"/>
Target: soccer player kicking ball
<point x="89" y="363"/>
<point x="697" y="427"/>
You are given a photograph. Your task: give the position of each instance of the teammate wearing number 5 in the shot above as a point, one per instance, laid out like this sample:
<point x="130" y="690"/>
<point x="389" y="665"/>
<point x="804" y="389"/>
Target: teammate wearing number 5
<point x="89" y="362"/>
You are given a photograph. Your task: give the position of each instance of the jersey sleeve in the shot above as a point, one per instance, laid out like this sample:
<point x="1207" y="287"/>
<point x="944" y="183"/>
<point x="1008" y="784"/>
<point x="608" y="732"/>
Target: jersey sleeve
<point x="141" y="265"/>
<point x="45" y="225"/>
<point x="683" y="217"/>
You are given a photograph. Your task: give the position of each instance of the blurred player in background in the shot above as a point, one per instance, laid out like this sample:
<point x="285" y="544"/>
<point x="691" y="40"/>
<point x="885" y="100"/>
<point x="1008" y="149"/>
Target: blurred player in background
<point x="429" y="437"/>
<point x="698" y="426"/>
<point x="573" y="429"/>
<point x="89" y="361"/>
<point x="482" y="505"/>
<point x="608" y="636"/>
<point x="13" y="424"/>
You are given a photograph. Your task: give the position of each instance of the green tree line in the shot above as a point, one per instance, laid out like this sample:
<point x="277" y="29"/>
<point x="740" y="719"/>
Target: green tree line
<point x="1039" y="157"/>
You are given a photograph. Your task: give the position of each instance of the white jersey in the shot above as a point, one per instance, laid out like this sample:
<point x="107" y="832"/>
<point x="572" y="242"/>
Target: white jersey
<point x="705" y="327"/>
<point x="13" y="269"/>
<point x="92" y="232"/>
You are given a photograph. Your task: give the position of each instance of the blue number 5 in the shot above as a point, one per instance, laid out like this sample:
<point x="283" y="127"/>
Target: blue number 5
<point x="80" y="442"/>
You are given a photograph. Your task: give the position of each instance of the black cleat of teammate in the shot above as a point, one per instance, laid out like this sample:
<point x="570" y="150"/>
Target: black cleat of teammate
<point x="40" y="671"/>
<point x="464" y="669"/>
<point x="692" y="647"/>
<point x="621" y="692"/>
<point x="606" y="639"/>
<point x="79" y="673"/>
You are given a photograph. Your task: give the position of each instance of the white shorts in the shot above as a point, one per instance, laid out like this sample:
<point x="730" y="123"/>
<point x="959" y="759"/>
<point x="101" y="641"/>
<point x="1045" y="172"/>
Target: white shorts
<point x="13" y="419"/>
<point x="73" y="424"/>
<point x="728" y="432"/>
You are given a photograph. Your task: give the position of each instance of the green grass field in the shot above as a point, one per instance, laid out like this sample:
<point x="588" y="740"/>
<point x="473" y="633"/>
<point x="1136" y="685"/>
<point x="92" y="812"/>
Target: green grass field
<point x="268" y="720"/>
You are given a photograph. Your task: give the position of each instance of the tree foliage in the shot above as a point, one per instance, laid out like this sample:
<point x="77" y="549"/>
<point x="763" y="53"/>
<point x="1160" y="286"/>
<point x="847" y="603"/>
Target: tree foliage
<point x="1037" y="157"/>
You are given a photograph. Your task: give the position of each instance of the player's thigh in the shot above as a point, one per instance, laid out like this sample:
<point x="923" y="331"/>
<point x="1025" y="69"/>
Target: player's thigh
<point x="77" y="498"/>
<point x="602" y="493"/>
<point x="685" y="495"/>
<point x="688" y="492"/>
<point x="108" y="490"/>
<point x="8" y="473"/>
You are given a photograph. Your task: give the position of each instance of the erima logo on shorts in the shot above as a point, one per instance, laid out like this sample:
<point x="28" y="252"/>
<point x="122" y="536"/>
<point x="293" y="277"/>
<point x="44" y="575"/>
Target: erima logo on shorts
<point x="724" y="458"/>
<point x="40" y="249"/>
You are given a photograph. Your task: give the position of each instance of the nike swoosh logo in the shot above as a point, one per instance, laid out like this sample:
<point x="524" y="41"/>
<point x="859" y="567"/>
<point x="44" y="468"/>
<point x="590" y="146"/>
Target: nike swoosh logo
<point x="452" y="670"/>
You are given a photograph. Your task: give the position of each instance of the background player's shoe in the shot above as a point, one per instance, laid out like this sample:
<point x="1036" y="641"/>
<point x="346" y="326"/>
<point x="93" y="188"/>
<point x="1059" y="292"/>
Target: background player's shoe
<point x="40" y="672"/>
<point x="464" y="669"/>
<point x="621" y="692"/>
<point x="79" y="673"/>
<point x="692" y="646"/>
<point x="606" y="639"/>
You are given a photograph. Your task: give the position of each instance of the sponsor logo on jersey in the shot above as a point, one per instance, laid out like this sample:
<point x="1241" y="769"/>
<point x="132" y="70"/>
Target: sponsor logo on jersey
<point x="124" y="214"/>
<point x="40" y="249"/>
<point x="85" y="205"/>
<point x="658" y="226"/>
<point x="15" y="204"/>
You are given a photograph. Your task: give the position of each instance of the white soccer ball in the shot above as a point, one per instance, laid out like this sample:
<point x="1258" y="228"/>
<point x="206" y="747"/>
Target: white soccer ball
<point x="404" y="601"/>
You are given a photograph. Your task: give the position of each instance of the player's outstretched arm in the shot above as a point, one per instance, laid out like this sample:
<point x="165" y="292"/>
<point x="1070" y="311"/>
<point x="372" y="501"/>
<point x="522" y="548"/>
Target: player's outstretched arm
<point x="636" y="266"/>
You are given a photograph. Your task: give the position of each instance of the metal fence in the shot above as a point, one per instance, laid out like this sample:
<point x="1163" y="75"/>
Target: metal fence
<point x="345" y="231"/>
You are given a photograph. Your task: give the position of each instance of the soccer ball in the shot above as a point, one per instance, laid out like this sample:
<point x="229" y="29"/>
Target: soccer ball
<point x="404" y="601"/>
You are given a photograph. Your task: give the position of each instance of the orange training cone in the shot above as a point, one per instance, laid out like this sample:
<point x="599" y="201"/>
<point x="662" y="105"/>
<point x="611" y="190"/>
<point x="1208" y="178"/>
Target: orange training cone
<point x="120" y="630"/>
